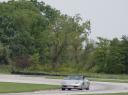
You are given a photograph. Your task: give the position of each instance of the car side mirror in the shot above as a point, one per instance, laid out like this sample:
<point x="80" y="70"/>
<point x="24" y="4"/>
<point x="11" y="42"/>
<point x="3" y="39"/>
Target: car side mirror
<point x="83" y="77"/>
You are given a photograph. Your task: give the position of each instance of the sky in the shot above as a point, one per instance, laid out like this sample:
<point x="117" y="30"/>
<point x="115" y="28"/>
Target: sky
<point x="109" y="18"/>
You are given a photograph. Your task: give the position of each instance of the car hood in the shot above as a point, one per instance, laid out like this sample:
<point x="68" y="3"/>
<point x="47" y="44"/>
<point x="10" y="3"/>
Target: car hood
<point x="72" y="82"/>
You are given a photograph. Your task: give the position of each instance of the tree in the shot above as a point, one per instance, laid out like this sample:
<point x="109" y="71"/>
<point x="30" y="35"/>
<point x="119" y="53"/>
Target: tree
<point x="124" y="52"/>
<point x="30" y="27"/>
<point x="101" y="54"/>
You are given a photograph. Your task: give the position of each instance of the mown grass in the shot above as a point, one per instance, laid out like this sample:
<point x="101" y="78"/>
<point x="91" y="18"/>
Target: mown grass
<point x="107" y="76"/>
<point x="108" y="94"/>
<point x="6" y="87"/>
<point x="109" y="80"/>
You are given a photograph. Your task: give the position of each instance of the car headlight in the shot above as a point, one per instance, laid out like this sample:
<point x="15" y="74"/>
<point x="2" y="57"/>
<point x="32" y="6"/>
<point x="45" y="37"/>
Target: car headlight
<point x="78" y="83"/>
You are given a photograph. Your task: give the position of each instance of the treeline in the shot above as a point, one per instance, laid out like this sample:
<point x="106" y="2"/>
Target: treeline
<point x="111" y="56"/>
<point x="36" y="37"/>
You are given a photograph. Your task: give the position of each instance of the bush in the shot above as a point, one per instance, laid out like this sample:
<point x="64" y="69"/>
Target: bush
<point x="22" y="62"/>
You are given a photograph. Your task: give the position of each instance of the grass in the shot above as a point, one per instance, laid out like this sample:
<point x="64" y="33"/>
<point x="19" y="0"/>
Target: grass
<point x="7" y="87"/>
<point x="108" y="94"/>
<point x="109" y="80"/>
<point x="5" y="69"/>
<point x="107" y="76"/>
<point x="89" y="75"/>
<point x="54" y="77"/>
<point x="94" y="75"/>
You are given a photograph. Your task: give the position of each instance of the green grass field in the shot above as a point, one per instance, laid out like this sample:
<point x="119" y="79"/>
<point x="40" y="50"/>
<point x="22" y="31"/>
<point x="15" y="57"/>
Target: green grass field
<point x="6" y="87"/>
<point x="109" y="80"/>
<point x="107" y="94"/>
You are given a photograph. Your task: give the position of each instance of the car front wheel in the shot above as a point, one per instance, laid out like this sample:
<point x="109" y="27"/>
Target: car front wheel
<point x="87" y="88"/>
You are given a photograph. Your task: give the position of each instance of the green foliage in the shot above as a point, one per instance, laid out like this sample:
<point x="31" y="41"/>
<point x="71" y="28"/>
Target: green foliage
<point x="110" y="56"/>
<point x="6" y="69"/>
<point x="3" y="55"/>
<point x="36" y="37"/>
<point x="35" y="34"/>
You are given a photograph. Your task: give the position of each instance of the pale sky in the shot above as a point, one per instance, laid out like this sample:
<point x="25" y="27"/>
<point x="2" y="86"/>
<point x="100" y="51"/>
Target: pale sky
<point x="109" y="18"/>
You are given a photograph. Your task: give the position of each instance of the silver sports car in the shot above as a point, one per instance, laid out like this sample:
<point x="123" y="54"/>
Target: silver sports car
<point x="75" y="82"/>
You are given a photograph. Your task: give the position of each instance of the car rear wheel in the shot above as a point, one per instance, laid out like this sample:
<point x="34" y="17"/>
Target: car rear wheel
<point x="80" y="89"/>
<point x="63" y="88"/>
<point x="69" y="88"/>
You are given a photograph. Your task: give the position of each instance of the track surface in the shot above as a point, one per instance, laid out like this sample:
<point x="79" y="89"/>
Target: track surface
<point x="96" y="87"/>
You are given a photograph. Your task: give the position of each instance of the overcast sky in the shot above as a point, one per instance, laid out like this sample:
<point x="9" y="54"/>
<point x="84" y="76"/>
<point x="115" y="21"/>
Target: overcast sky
<point x="109" y="18"/>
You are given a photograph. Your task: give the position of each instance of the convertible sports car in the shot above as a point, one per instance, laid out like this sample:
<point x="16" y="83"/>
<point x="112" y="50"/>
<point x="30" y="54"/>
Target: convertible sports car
<point x="75" y="82"/>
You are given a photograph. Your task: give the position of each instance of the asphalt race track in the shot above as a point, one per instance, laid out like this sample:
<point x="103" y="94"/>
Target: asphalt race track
<point x="96" y="87"/>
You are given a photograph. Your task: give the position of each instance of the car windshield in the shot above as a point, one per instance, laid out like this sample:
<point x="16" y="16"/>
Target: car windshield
<point x="74" y="78"/>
